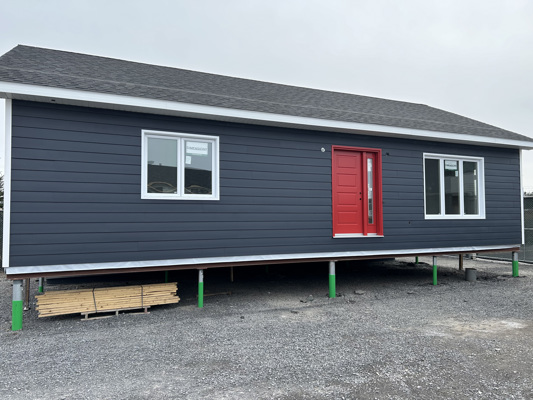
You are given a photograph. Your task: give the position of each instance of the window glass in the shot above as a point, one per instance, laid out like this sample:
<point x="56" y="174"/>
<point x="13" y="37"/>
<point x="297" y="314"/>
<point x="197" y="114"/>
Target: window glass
<point x="432" y="174"/>
<point x="470" y="183"/>
<point x="162" y="165"/>
<point x="198" y="167"/>
<point x="451" y="187"/>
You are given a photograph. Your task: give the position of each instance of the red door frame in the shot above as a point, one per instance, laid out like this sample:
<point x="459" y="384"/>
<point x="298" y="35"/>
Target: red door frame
<point x="377" y="189"/>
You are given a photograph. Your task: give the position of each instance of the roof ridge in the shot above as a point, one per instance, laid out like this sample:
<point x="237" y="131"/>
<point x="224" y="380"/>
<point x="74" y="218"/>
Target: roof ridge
<point x="222" y="76"/>
<point x="310" y="107"/>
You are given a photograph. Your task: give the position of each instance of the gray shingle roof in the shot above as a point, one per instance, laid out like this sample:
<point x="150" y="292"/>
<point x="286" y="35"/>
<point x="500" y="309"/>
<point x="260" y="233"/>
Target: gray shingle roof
<point x="60" y="69"/>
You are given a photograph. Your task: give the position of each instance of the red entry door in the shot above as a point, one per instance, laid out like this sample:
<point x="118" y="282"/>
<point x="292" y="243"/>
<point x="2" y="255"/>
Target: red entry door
<point x="347" y="192"/>
<point x="355" y="186"/>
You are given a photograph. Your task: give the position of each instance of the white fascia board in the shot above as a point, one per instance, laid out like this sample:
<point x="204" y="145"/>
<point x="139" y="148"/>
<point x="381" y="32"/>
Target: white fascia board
<point x="127" y="103"/>
<point x="198" y="262"/>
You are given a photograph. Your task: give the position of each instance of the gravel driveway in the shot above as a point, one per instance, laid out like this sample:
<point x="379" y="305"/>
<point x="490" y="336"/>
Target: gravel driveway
<point x="390" y="334"/>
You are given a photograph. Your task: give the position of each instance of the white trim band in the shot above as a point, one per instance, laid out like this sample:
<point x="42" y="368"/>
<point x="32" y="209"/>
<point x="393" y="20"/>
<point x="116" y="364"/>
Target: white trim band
<point x="241" y="259"/>
<point x="128" y="103"/>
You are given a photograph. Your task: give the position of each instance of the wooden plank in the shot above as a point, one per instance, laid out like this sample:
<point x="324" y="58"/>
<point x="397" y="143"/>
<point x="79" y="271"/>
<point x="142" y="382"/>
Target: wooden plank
<point x="106" y="299"/>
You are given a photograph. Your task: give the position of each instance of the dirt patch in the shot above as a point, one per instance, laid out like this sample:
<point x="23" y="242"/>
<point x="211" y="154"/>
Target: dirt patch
<point x="490" y="327"/>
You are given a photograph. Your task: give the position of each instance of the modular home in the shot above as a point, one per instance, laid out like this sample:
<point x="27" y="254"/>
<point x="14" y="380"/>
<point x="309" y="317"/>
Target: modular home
<point x="118" y="166"/>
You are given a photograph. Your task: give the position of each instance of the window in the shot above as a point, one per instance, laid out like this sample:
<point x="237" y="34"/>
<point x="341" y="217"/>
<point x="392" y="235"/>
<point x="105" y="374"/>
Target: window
<point x="453" y="187"/>
<point x="356" y="191"/>
<point x="179" y="166"/>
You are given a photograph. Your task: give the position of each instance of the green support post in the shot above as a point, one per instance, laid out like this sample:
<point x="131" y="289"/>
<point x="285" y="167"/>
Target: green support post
<point x="41" y="285"/>
<point x="200" y="288"/>
<point x="434" y="270"/>
<point x="18" y="306"/>
<point x="166" y="276"/>
<point x="332" y="288"/>
<point x="515" y="264"/>
<point x="416" y="260"/>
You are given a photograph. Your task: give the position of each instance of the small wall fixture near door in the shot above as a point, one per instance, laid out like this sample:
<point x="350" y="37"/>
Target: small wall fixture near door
<point x="356" y="191"/>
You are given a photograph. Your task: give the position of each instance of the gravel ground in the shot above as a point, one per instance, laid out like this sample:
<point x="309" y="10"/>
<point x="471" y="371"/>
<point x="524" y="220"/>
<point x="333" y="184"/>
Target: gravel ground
<point x="390" y="334"/>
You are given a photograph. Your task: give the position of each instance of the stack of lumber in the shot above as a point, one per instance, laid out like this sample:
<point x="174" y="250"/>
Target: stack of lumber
<point x="98" y="300"/>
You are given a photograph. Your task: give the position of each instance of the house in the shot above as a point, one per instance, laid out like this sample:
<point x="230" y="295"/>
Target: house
<point x="116" y="166"/>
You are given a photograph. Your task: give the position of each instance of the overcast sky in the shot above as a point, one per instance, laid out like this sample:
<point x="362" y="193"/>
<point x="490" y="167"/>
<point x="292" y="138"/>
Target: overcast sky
<point x="473" y="58"/>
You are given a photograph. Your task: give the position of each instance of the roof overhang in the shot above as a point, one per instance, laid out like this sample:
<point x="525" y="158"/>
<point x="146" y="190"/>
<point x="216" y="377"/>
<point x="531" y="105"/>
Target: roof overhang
<point x="82" y="98"/>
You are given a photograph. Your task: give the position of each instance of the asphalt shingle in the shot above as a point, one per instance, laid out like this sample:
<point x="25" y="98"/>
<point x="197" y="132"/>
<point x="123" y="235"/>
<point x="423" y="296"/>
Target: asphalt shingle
<point x="66" y="70"/>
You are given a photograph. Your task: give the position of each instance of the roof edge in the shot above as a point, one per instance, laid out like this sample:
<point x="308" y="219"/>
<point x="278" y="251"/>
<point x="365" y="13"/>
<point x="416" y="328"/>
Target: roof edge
<point x="19" y="91"/>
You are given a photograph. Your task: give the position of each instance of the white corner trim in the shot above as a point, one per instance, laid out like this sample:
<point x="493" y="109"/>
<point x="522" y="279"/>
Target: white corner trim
<point x="129" y="103"/>
<point x="522" y="221"/>
<point x="7" y="185"/>
<point x="68" y="268"/>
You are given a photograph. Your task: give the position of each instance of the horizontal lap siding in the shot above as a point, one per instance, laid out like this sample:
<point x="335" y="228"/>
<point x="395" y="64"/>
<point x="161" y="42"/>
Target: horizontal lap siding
<point x="76" y="192"/>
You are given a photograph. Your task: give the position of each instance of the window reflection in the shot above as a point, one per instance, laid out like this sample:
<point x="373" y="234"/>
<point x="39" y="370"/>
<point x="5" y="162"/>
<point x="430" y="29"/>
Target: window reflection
<point x="198" y="167"/>
<point x="432" y="176"/>
<point x="162" y="165"/>
<point x="470" y="188"/>
<point x="451" y="187"/>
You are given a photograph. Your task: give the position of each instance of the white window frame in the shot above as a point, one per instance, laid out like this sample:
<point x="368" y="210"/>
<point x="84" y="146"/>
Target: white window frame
<point x="481" y="183"/>
<point x="180" y="140"/>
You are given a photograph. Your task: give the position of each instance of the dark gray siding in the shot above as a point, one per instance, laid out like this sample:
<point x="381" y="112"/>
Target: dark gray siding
<point x="76" y="192"/>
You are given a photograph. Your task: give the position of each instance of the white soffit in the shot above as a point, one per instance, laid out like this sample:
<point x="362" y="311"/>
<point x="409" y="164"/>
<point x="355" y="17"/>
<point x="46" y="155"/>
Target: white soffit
<point x="127" y="103"/>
